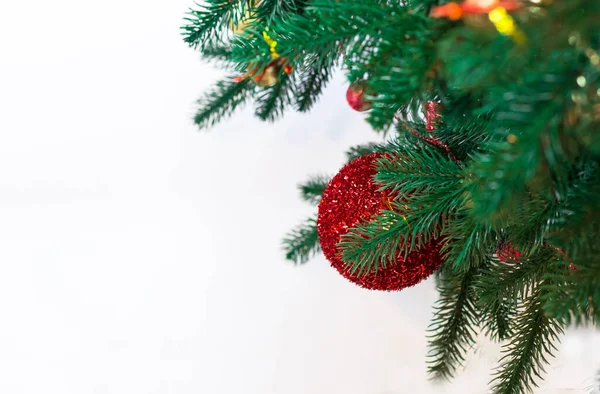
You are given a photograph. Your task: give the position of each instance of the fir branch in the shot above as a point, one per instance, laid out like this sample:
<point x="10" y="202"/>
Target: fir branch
<point x="302" y="243"/>
<point x="271" y="101"/>
<point x="311" y="82"/>
<point x="572" y="291"/>
<point x="221" y="101"/>
<point x="413" y="171"/>
<point x="497" y="319"/>
<point x="513" y="279"/>
<point x="312" y="190"/>
<point x="328" y="28"/>
<point x="269" y="10"/>
<point x="425" y="199"/>
<point x="526" y="354"/>
<point x="501" y="284"/>
<point x="220" y="53"/>
<point x="463" y="138"/>
<point x="502" y="174"/>
<point x="452" y="329"/>
<point x="360" y="150"/>
<point x="367" y="246"/>
<point x="206" y="23"/>
<point x="467" y="243"/>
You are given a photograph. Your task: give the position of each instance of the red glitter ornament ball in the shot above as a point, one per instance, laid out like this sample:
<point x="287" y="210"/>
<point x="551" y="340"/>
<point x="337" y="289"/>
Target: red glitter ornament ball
<point x="352" y="197"/>
<point x="355" y="95"/>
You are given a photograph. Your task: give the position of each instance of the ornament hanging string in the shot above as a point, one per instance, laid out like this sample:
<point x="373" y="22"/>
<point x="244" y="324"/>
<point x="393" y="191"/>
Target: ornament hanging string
<point x="388" y="204"/>
<point x="561" y="252"/>
<point x="435" y="142"/>
<point x="430" y="115"/>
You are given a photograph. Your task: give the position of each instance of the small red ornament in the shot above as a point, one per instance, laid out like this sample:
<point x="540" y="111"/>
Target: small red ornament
<point x="351" y="197"/>
<point x="507" y="253"/>
<point x="355" y="95"/>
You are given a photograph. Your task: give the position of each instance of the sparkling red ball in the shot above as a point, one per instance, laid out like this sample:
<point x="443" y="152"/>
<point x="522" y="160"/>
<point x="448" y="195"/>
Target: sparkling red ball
<point x="355" y="95"/>
<point x="351" y="197"/>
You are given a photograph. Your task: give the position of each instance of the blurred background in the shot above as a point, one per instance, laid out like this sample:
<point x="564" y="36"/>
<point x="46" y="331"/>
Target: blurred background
<point x="139" y="255"/>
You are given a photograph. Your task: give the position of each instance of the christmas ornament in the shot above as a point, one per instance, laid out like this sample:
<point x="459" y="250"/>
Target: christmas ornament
<point x="497" y="11"/>
<point x="246" y="19"/>
<point x="505" y="24"/>
<point x="355" y="95"/>
<point x="455" y="11"/>
<point x="352" y="197"/>
<point x="272" y="44"/>
<point x="269" y="75"/>
<point x="507" y="253"/>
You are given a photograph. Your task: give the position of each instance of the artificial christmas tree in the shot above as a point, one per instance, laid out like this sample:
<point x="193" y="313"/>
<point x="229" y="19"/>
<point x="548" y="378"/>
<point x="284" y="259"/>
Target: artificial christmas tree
<point x="494" y="154"/>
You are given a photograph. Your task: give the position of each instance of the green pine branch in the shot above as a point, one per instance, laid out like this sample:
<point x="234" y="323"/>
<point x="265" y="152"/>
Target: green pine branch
<point x="221" y="101"/>
<point x="467" y="243"/>
<point x="498" y="318"/>
<point x="512" y="278"/>
<point x="452" y="331"/>
<point x="428" y="190"/>
<point x="312" y="190"/>
<point x="302" y="243"/>
<point x="328" y="29"/>
<point x="220" y="53"/>
<point x="271" y="101"/>
<point x="572" y="289"/>
<point x="206" y="24"/>
<point x="314" y="76"/>
<point x="529" y="349"/>
<point x="409" y="172"/>
<point x="502" y="283"/>
<point x="361" y="150"/>
<point x="270" y="10"/>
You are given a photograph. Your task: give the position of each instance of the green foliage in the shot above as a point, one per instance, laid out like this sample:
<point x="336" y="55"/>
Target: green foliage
<point x="510" y="277"/>
<point x="572" y="294"/>
<point x="453" y="328"/>
<point x="302" y="243"/>
<point x="361" y="150"/>
<point x="426" y="187"/>
<point x="205" y="24"/>
<point x="507" y="180"/>
<point x="219" y="54"/>
<point x="271" y="101"/>
<point x="503" y="281"/>
<point x="314" y="76"/>
<point x="312" y="190"/>
<point x="528" y="350"/>
<point x="222" y="101"/>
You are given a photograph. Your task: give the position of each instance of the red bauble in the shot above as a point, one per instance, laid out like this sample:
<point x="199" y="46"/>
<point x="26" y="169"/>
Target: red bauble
<point x="355" y="95"/>
<point x="507" y="253"/>
<point x="352" y="197"/>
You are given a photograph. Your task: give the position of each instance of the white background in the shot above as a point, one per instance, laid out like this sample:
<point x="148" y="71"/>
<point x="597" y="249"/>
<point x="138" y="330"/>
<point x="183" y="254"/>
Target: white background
<point x="138" y="255"/>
